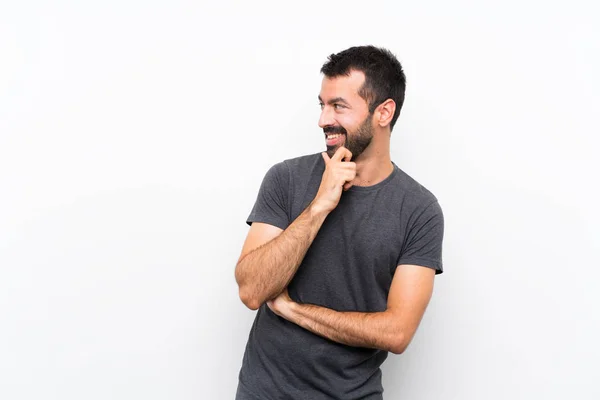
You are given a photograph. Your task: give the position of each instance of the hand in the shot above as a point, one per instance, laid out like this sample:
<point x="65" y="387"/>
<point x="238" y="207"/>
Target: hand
<point x="336" y="177"/>
<point x="281" y="304"/>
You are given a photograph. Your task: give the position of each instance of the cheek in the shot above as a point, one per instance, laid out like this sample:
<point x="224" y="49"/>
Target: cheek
<point x="348" y="123"/>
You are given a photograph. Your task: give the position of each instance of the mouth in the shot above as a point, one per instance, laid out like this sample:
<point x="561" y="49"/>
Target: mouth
<point x="333" y="139"/>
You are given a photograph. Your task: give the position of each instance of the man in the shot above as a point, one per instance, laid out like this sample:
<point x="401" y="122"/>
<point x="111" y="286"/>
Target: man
<point x="342" y="249"/>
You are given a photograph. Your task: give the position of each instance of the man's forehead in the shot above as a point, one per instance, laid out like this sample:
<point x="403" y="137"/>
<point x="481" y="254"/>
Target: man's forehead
<point x="346" y="86"/>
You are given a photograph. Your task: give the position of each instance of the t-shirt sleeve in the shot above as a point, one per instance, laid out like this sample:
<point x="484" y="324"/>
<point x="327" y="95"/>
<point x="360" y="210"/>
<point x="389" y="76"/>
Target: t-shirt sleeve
<point x="423" y="243"/>
<point x="272" y="203"/>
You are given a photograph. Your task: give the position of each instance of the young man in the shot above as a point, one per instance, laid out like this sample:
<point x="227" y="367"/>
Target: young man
<point x="342" y="249"/>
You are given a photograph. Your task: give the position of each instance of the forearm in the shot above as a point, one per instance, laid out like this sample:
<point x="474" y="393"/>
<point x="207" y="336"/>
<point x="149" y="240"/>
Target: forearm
<point x="263" y="273"/>
<point x="378" y="330"/>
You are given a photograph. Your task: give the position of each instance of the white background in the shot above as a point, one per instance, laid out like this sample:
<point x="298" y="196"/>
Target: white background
<point x="134" y="136"/>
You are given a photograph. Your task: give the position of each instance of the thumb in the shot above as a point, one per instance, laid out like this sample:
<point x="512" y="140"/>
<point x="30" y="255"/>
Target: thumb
<point x="325" y="157"/>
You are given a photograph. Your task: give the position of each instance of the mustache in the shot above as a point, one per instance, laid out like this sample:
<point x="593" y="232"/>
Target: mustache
<point x="334" y="129"/>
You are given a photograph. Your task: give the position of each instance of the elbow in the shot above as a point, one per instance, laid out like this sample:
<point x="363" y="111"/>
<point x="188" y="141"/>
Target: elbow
<point x="245" y="292"/>
<point x="398" y="344"/>
<point x="397" y="349"/>
<point x="249" y="301"/>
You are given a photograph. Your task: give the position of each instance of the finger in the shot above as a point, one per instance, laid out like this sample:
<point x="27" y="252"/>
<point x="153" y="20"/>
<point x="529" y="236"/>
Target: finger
<point x="347" y="186"/>
<point x="348" y="166"/>
<point x="349" y="175"/>
<point x="325" y="157"/>
<point x="342" y="152"/>
<point x="348" y="155"/>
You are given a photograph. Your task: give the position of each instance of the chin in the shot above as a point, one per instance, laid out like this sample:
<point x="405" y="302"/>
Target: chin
<point x="331" y="150"/>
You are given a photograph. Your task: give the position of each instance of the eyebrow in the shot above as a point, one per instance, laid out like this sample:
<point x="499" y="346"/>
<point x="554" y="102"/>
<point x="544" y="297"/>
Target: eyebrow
<point x="335" y="100"/>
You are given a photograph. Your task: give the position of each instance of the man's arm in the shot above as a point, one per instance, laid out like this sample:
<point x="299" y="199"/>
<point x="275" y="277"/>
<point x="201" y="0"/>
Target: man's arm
<point x="391" y="330"/>
<point x="265" y="271"/>
<point x="270" y="257"/>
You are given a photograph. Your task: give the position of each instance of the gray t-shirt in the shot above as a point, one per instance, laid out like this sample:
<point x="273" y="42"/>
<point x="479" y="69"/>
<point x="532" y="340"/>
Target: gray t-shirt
<point x="348" y="267"/>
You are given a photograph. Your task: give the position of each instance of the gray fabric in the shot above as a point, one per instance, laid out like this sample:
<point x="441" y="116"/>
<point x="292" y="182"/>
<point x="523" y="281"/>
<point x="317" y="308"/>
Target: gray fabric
<point x="348" y="267"/>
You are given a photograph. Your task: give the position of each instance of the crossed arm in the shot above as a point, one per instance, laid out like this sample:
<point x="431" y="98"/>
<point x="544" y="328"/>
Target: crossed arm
<point x="270" y="256"/>
<point x="391" y="330"/>
<point x="269" y="260"/>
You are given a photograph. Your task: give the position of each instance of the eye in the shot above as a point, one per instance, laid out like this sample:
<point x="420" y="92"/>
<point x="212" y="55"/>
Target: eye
<point x="338" y="106"/>
<point x="321" y="105"/>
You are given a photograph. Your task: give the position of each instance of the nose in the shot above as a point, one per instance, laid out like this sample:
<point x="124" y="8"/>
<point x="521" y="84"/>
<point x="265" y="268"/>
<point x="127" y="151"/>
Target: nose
<point x="326" y="118"/>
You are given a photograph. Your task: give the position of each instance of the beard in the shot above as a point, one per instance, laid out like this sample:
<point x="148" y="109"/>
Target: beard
<point x="356" y="142"/>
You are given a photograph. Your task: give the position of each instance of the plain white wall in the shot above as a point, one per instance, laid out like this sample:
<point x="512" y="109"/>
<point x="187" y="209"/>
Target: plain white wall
<point x="134" y="135"/>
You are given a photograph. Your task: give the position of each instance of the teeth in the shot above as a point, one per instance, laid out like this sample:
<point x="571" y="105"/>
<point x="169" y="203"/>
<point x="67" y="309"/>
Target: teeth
<point x="333" y="136"/>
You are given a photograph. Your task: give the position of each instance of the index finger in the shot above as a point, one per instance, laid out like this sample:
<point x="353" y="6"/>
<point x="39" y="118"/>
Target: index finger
<point x="342" y="153"/>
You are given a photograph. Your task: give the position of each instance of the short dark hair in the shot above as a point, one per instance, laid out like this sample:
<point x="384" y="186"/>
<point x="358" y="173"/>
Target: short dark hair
<point x="384" y="77"/>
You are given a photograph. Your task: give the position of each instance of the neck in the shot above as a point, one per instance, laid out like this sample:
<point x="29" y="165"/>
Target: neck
<point x="374" y="164"/>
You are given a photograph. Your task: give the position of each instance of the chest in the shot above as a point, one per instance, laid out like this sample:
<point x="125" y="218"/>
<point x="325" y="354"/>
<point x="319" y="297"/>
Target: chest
<point x="350" y="264"/>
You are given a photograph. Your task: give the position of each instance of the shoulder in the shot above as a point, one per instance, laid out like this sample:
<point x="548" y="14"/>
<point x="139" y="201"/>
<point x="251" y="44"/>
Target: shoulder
<point x="415" y="196"/>
<point x="286" y="170"/>
<point x="304" y="164"/>
<point x="298" y="168"/>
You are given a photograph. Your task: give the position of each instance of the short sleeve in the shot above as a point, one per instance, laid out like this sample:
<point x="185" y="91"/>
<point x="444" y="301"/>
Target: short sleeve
<point x="271" y="206"/>
<point x="423" y="243"/>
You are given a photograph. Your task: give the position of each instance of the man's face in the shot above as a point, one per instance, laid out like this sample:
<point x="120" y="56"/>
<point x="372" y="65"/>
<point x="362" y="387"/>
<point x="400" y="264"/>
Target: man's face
<point x="345" y="117"/>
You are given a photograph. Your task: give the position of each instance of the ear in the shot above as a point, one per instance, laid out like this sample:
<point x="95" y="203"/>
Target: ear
<point x="385" y="112"/>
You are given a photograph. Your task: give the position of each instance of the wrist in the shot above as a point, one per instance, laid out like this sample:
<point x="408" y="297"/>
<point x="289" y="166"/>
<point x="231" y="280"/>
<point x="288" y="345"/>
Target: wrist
<point x="291" y="312"/>
<point x="316" y="209"/>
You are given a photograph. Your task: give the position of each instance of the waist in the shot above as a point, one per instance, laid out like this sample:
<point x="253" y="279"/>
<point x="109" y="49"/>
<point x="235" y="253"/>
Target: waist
<point x="284" y="358"/>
